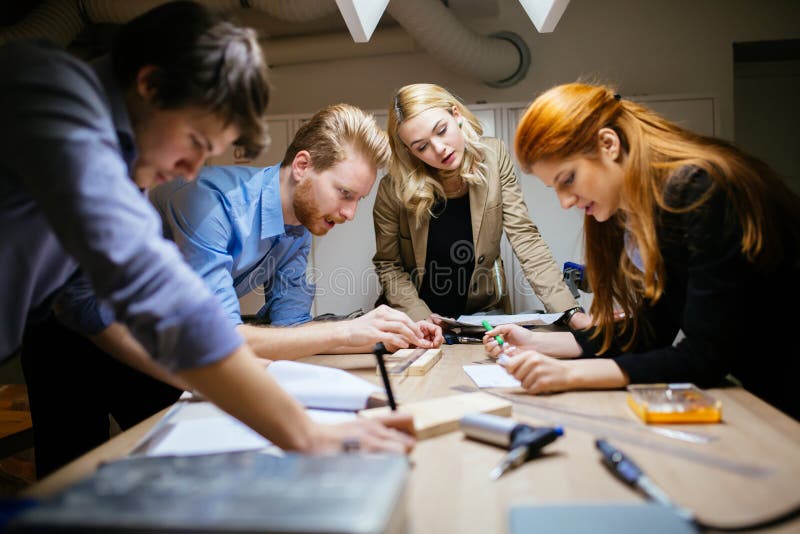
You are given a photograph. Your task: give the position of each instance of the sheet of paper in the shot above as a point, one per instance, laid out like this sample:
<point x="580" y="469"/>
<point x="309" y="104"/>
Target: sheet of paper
<point x="202" y="428"/>
<point x="520" y="318"/>
<point x="491" y="376"/>
<point x="331" y="417"/>
<point x="205" y="436"/>
<point x="316" y="386"/>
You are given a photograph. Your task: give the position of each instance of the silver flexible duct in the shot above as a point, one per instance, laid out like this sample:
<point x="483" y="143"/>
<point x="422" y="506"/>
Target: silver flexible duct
<point x="59" y="21"/>
<point x="501" y="59"/>
<point x="295" y="10"/>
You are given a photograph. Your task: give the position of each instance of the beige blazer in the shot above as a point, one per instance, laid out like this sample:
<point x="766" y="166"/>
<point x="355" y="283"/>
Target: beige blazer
<point x="495" y="207"/>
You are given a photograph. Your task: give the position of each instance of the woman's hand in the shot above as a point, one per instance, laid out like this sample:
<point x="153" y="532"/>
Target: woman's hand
<point x="512" y="335"/>
<point x="539" y="373"/>
<point x="542" y="374"/>
<point x="580" y="321"/>
<point x="431" y="332"/>
<point x="555" y="344"/>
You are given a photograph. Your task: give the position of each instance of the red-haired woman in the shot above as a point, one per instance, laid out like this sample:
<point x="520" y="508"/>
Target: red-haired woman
<point x="683" y="233"/>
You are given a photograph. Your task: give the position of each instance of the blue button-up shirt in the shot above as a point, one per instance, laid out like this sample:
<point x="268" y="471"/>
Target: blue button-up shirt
<point x="229" y="226"/>
<point x="67" y="200"/>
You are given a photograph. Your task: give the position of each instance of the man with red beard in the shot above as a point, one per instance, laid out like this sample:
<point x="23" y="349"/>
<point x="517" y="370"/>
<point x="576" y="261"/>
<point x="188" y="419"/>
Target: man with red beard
<point x="246" y="228"/>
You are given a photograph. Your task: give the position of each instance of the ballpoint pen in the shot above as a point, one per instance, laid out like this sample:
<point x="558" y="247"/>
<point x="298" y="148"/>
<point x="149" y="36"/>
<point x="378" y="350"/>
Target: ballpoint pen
<point x="526" y="445"/>
<point x="523" y="441"/>
<point x="627" y="471"/>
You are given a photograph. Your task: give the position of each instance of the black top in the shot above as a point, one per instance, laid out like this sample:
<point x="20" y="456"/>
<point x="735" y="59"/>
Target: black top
<point x="450" y="258"/>
<point x="734" y="315"/>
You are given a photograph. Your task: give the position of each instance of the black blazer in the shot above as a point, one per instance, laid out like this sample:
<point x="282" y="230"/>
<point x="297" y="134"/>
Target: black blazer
<point x="735" y="317"/>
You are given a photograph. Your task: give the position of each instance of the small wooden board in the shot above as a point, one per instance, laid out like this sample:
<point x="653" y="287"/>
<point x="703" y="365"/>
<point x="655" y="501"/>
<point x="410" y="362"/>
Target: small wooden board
<point x="434" y="417"/>
<point x="400" y="363"/>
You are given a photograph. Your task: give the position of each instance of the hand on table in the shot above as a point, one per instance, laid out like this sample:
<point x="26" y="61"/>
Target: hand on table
<point x="366" y="435"/>
<point x="392" y="327"/>
<point x="432" y="333"/>
<point x="539" y="373"/>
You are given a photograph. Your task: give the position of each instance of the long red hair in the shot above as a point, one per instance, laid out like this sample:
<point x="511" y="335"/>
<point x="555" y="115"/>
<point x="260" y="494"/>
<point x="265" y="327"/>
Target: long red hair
<point x="564" y="122"/>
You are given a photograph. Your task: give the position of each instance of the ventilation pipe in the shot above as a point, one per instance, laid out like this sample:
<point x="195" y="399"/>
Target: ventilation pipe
<point x="333" y="46"/>
<point x="61" y="22"/>
<point x="500" y="60"/>
<point x="294" y="10"/>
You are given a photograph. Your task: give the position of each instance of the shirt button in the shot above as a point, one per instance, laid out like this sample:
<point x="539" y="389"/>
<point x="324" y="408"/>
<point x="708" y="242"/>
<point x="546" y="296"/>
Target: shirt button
<point x="480" y="260"/>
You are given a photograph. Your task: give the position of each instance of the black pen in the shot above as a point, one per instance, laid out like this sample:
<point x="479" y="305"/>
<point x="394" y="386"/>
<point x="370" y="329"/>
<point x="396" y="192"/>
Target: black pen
<point x="379" y="351"/>
<point x="629" y="472"/>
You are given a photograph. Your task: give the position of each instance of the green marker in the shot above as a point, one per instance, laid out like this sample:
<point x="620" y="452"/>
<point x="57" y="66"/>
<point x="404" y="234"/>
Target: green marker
<point x="498" y="337"/>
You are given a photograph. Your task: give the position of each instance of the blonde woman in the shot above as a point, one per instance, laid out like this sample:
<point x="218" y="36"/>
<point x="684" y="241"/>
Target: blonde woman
<point x="442" y="209"/>
<point x="683" y="232"/>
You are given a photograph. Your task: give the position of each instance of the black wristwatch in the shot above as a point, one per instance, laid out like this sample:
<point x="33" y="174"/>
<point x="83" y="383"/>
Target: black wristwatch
<point x="565" y="319"/>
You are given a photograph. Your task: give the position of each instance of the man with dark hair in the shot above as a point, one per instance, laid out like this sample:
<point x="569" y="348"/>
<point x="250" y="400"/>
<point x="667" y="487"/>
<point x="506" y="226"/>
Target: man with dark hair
<point x="76" y="144"/>
<point x="192" y="58"/>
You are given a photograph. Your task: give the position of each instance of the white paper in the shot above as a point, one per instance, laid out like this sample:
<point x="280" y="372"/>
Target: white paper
<point x="331" y="417"/>
<point x="206" y="436"/>
<point x="491" y="376"/>
<point x="520" y="318"/>
<point x="202" y="428"/>
<point x="316" y="386"/>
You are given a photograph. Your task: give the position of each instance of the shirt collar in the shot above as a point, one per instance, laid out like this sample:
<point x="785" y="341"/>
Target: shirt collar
<point x="272" y="209"/>
<point x="294" y="230"/>
<point x="119" y="113"/>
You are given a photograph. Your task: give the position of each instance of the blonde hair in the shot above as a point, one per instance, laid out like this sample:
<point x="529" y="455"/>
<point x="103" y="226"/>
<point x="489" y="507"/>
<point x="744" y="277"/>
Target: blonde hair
<point x="564" y="122"/>
<point x="415" y="182"/>
<point x="332" y="130"/>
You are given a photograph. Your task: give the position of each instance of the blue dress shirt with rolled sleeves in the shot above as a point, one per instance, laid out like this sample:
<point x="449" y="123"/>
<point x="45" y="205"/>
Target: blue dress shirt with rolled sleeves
<point x="229" y="226"/>
<point x="67" y="200"/>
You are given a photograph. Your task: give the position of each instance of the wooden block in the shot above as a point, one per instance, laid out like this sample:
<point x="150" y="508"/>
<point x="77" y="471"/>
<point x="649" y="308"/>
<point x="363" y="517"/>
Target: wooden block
<point x="424" y="363"/>
<point x="400" y="355"/>
<point x="434" y="417"/>
<point x="397" y="363"/>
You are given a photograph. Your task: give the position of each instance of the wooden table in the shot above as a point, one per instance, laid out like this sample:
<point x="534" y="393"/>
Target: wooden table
<point x="750" y="471"/>
<point x="16" y="427"/>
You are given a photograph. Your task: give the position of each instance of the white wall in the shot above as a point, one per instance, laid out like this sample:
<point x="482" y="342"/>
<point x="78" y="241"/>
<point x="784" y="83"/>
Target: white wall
<point x="644" y="46"/>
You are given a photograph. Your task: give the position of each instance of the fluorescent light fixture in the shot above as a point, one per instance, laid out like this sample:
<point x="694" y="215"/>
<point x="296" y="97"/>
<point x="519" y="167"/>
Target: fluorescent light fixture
<point x="361" y="16"/>
<point x="545" y="14"/>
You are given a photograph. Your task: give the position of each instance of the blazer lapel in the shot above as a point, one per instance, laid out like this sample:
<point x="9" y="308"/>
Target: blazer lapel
<point x="477" y="206"/>
<point x="419" y="240"/>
